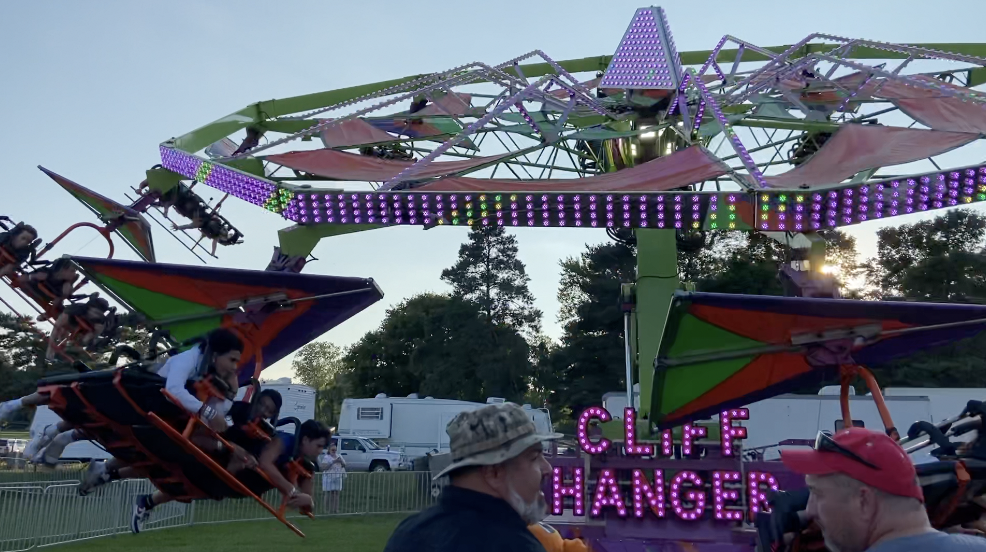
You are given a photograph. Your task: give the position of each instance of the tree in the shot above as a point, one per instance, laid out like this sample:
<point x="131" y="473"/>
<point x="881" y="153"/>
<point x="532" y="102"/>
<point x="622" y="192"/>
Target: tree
<point x="319" y="365"/>
<point x="933" y="260"/>
<point x="489" y="273"/>
<point x="590" y="359"/>
<point x="441" y="346"/>
<point x="22" y="351"/>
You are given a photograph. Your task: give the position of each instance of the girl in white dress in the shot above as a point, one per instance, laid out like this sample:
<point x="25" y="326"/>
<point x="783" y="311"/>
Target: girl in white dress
<point x="333" y="472"/>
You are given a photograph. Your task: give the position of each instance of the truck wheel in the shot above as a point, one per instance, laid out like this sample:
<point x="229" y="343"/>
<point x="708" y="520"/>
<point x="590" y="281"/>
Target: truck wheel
<point x="379" y="467"/>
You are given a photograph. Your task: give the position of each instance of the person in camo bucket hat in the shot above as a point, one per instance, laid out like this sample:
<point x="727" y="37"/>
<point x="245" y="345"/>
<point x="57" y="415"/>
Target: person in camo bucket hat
<point x="490" y="436"/>
<point x="497" y="469"/>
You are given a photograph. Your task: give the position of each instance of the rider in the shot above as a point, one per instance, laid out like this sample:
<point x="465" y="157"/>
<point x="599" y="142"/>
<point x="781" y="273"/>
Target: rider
<point x="241" y="414"/>
<point x="58" y="279"/>
<point x="17" y="244"/>
<point x="274" y="459"/>
<point x="92" y="313"/>
<point x="279" y="452"/>
<point x="225" y="349"/>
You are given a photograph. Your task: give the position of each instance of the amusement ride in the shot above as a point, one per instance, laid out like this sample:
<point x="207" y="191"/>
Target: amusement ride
<point x="654" y="145"/>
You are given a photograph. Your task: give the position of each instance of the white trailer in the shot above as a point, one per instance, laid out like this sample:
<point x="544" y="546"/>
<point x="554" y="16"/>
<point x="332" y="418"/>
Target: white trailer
<point x="298" y="401"/>
<point x="415" y="426"/>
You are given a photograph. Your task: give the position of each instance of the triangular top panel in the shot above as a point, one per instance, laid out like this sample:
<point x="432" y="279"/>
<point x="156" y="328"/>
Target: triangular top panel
<point x="647" y="57"/>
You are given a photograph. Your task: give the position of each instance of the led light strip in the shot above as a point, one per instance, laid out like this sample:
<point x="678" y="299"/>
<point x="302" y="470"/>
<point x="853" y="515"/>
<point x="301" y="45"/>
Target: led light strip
<point x="814" y="210"/>
<point x="775" y="210"/>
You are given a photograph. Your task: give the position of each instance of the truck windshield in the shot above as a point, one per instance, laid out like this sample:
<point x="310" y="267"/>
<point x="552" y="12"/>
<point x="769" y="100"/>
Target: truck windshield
<point x="370" y="445"/>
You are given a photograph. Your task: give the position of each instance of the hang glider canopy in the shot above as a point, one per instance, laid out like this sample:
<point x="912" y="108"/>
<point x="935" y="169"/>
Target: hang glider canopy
<point x="459" y="105"/>
<point x="277" y="312"/>
<point x="684" y="167"/>
<point x="135" y="232"/>
<point x="927" y="106"/>
<point x="339" y="165"/>
<point x="855" y="148"/>
<point x="426" y="128"/>
<point x="354" y="133"/>
<point x="723" y="351"/>
<point x="563" y="93"/>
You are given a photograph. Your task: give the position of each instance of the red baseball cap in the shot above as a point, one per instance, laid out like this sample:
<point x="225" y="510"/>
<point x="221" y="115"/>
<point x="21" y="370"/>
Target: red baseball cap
<point x="869" y="457"/>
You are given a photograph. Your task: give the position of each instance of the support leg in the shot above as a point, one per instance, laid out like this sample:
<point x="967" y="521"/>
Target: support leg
<point x="657" y="280"/>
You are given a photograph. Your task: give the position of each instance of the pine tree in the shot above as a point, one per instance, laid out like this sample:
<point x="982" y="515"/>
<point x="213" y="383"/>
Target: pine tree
<point x="489" y="274"/>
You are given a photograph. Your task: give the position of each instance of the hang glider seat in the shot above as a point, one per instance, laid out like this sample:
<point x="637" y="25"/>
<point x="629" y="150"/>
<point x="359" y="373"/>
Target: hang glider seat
<point x="129" y="412"/>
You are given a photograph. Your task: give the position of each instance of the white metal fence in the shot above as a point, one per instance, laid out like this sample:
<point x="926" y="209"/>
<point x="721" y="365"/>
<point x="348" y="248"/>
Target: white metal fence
<point x="44" y="508"/>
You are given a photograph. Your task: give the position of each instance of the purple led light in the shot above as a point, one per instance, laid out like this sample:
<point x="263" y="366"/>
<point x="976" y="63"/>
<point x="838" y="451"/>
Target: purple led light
<point x="641" y="60"/>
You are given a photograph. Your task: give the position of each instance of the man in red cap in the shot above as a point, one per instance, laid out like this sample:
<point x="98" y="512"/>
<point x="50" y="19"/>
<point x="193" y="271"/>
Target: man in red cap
<point x="865" y="496"/>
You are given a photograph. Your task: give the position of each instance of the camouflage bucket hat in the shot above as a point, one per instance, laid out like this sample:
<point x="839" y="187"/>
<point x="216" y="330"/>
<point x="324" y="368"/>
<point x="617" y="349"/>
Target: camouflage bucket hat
<point x="491" y="435"/>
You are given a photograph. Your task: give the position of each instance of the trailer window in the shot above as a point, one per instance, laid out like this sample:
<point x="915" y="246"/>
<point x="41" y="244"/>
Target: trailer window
<point x="369" y="413"/>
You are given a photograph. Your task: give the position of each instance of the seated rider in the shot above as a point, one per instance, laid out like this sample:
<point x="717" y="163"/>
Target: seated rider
<point x="84" y="320"/>
<point x="178" y="371"/>
<point x="244" y="417"/>
<point x="16" y="248"/>
<point x="212" y="227"/>
<point x="51" y="285"/>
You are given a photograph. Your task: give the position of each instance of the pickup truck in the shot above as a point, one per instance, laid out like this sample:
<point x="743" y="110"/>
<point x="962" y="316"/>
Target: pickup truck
<point x="362" y="454"/>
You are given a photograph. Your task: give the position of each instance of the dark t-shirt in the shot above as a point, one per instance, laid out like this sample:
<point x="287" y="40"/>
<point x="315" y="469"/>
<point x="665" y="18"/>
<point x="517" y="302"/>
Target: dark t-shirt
<point x="936" y="542"/>
<point x="464" y="520"/>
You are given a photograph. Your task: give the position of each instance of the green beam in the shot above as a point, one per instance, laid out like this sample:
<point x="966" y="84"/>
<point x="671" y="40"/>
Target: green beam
<point x="301" y="240"/>
<point x="657" y="280"/>
<point x="162" y="180"/>
<point x="203" y="136"/>
<point x="977" y="76"/>
<point x="262" y="111"/>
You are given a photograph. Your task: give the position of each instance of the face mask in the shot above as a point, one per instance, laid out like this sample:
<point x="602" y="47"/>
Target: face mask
<point x="531" y="512"/>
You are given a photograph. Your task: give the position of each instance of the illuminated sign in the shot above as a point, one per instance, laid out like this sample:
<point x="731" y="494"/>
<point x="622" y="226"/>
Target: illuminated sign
<point x="685" y="490"/>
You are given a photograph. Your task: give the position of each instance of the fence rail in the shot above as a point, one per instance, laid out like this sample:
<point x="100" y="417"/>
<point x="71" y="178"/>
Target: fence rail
<point x="44" y="508"/>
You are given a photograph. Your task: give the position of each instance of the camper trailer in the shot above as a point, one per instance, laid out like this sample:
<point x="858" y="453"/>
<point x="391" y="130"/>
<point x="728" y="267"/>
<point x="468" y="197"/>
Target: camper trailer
<point x="414" y="425"/>
<point x="298" y="402"/>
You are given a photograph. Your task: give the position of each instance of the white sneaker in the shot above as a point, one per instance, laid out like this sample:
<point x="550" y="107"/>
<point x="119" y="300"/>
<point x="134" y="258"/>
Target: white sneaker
<point x="52" y="454"/>
<point x="41" y="441"/>
<point x="94" y="477"/>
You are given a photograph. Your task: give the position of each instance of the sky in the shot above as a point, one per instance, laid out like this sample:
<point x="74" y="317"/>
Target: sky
<point x="91" y="88"/>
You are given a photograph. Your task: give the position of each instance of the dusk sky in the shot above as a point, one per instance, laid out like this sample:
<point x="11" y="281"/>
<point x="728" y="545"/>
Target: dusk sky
<point x="91" y="88"/>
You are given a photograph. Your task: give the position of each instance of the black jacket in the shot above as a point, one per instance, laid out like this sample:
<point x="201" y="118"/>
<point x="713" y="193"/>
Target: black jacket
<point x="464" y="521"/>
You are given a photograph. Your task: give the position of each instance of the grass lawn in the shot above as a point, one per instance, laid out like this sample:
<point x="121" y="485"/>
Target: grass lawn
<point x="345" y="534"/>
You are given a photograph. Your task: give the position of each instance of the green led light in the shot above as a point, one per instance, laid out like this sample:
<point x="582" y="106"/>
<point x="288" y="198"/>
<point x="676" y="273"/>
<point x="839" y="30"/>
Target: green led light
<point x="765" y="207"/>
<point x="782" y="197"/>
<point x="455" y="221"/>
<point x="498" y="197"/>
<point x="714" y="225"/>
<point x="469" y="213"/>
<point x="482" y="205"/>
<point x="732" y="217"/>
